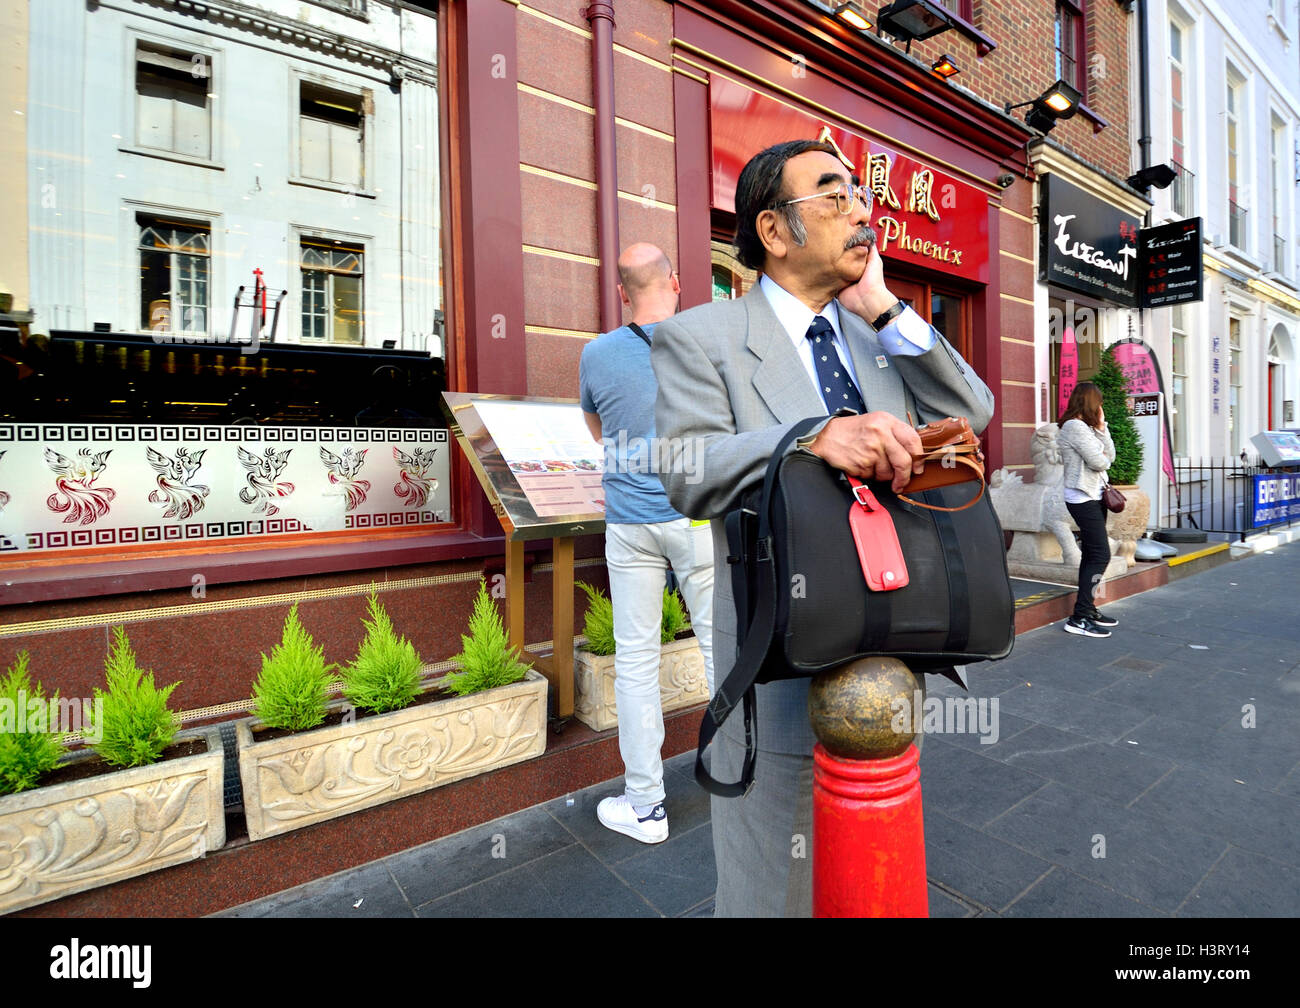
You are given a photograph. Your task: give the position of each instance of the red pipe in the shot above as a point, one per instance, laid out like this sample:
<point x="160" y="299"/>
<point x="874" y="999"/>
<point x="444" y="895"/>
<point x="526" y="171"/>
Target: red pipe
<point x="600" y="15"/>
<point x="868" y="837"/>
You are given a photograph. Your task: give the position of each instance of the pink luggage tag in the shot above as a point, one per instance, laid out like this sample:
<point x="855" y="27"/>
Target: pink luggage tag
<point x="879" y="552"/>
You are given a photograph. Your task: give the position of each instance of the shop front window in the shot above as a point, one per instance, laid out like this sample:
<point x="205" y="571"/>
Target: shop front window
<point x="198" y="362"/>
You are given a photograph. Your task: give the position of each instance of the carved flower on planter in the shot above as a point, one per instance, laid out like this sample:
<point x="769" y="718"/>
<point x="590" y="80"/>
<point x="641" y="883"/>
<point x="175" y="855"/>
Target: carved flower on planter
<point x="411" y="756"/>
<point x="12" y="857"/>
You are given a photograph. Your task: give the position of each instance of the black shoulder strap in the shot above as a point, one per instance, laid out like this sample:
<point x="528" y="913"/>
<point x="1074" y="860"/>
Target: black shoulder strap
<point x="760" y="568"/>
<point x="639" y="331"/>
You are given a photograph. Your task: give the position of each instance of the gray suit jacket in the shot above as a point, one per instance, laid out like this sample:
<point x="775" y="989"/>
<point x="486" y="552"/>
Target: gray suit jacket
<point x="730" y="385"/>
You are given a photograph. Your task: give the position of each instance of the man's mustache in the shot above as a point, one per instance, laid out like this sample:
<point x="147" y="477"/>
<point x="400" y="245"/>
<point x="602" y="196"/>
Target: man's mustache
<point x="865" y="235"/>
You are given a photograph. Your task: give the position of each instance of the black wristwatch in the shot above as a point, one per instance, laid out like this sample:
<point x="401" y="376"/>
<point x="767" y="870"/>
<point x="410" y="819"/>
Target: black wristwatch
<point x="885" y="317"/>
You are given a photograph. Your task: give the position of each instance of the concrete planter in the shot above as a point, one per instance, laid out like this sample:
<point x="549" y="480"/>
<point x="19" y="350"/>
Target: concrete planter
<point x="70" y="837"/>
<point x="311" y="776"/>
<point x="1127" y="527"/>
<point x="682" y="682"/>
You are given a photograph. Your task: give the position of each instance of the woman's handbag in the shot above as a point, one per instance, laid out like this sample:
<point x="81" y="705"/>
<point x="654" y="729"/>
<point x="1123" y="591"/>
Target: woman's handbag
<point x="1112" y="498"/>
<point x="931" y="586"/>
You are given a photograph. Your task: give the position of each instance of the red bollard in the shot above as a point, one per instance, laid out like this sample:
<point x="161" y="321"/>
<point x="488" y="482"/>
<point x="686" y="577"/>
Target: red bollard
<point x="868" y="833"/>
<point x="868" y="837"/>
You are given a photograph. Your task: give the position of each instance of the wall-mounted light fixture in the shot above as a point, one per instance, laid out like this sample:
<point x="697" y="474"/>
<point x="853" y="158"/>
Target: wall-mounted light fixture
<point x="944" y="67"/>
<point x="1157" y="176"/>
<point x="1060" y="101"/>
<point x="913" y="19"/>
<point x="852" y="14"/>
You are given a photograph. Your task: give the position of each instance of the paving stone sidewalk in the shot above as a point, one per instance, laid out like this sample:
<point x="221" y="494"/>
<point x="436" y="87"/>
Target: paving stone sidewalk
<point x="1155" y="773"/>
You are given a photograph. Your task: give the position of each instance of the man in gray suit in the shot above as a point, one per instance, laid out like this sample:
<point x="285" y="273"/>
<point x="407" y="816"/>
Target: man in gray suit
<point x="820" y="334"/>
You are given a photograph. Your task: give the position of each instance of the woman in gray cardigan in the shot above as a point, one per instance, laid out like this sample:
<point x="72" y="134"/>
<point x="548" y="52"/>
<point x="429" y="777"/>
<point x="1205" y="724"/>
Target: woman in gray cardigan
<point x="1087" y="453"/>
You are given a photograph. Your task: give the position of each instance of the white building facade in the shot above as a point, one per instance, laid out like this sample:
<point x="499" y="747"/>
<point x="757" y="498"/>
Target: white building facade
<point x="1225" y="111"/>
<point x="174" y="149"/>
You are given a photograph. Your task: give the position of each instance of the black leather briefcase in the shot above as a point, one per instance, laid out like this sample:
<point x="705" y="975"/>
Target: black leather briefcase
<point x="802" y="583"/>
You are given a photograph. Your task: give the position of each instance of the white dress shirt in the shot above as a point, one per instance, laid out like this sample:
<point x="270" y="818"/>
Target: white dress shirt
<point x="908" y="335"/>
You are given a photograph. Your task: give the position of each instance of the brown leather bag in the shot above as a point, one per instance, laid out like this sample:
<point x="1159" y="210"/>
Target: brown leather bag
<point x="951" y="452"/>
<point x="1113" y="499"/>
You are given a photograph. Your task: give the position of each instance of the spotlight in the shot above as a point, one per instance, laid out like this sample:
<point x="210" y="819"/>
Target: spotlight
<point x="944" y="67"/>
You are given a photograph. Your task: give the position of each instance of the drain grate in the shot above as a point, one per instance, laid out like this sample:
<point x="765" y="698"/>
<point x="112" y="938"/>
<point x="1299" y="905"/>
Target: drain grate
<point x="231" y="788"/>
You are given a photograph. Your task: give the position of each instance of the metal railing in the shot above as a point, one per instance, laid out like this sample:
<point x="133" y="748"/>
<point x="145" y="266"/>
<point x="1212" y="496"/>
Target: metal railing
<point x="1182" y="193"/>
<point x="1236" y="225"/>
<point x="1215" y="495"/>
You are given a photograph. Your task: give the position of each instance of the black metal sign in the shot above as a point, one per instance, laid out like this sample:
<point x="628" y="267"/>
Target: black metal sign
<point x="1086" y="244"/>
<point x="1170" y="268"/>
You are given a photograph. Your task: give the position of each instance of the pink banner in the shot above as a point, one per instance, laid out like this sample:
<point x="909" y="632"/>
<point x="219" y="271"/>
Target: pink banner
<point x="1068" y="375"/>
<point x="1139" y="365"/>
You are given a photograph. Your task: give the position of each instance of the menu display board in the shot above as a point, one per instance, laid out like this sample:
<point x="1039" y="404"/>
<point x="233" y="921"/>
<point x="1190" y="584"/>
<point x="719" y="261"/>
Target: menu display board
<point x="536" y="460"/>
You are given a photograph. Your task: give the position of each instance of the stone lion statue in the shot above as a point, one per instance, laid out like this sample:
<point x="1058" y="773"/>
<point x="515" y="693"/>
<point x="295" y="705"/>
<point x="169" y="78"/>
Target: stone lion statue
<point x="1036" y="511"/>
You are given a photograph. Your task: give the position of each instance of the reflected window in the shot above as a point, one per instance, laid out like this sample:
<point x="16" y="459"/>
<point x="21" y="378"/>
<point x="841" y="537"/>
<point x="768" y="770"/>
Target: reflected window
<point x="332" y="292"/>
<point x="172" y="110"/>
<point x="331" y="135"/>
<point x="174" y="272"/>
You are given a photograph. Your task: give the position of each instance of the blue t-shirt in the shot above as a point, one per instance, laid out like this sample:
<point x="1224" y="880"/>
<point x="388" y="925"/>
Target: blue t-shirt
<point x="618" y="384"/>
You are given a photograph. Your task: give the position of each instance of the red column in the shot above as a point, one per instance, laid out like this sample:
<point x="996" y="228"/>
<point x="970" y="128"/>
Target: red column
<point x="868" y="837"/>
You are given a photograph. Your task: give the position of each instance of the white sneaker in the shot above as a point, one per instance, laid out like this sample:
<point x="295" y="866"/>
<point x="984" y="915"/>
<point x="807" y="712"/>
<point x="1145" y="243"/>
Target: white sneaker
<point x="617" y="814"/>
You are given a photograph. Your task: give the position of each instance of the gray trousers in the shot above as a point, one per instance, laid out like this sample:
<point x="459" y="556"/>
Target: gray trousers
<point x="762" y="841"/>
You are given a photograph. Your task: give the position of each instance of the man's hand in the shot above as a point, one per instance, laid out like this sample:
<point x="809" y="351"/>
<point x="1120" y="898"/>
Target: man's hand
<point x="869" y="298"/>
<point x="875" y="446"/>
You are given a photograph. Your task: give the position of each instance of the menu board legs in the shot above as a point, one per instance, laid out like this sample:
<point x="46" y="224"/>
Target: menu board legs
<point x="558" y="667"/>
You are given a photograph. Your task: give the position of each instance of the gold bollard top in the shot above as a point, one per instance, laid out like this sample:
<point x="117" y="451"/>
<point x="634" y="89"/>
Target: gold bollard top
<point x="854" y="708"/>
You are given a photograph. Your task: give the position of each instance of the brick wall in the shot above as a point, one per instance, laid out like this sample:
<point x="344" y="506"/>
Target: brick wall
<point x="1024" y="65"/>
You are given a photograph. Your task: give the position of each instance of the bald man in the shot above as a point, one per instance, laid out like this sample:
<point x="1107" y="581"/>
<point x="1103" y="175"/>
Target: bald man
<point x="644" y="535"/>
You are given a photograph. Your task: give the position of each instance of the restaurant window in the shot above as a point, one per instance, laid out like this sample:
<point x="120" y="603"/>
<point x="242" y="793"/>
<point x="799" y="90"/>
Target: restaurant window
<point x="1178" y="415"/>
<point x="1070" y="45"/>
<point x="731" y="280"/>
<point x="331" y="135"/>
<point x="191" y="305"/>
<point x="173" y="109"/>
<point x="332" y="303"/>
<point x="174" y="275"/>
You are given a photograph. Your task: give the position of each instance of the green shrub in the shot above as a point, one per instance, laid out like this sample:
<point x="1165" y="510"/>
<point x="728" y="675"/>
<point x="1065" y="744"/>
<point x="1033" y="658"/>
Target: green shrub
<point x="385" y="676"/>
<point x="294" y="686"/>
<point x="674" y="620"/>
<point x="1127" y="466"/>
<point x="599" y="625"/>
<point x="486" y="659"/>
<point x="24" y="755"/>
<point x="134" y="724"/>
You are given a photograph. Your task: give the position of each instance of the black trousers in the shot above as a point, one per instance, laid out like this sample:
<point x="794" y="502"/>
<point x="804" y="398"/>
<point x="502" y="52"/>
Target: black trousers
<point x="1090" y="516"/>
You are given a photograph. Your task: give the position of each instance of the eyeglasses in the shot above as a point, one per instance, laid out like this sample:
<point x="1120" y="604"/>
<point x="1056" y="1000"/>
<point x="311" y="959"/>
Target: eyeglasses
<point x="844" y="195"/>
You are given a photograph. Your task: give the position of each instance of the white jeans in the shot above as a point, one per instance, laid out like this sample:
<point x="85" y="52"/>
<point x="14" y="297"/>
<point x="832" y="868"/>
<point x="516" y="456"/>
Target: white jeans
<point x="637" y="557"/>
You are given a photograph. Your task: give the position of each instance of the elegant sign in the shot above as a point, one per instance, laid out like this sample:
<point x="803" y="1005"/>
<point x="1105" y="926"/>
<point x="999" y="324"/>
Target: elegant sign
<point x="922" y="215"/>
<point x="1170" y="268"/>
<point x="1086" y="244"/>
